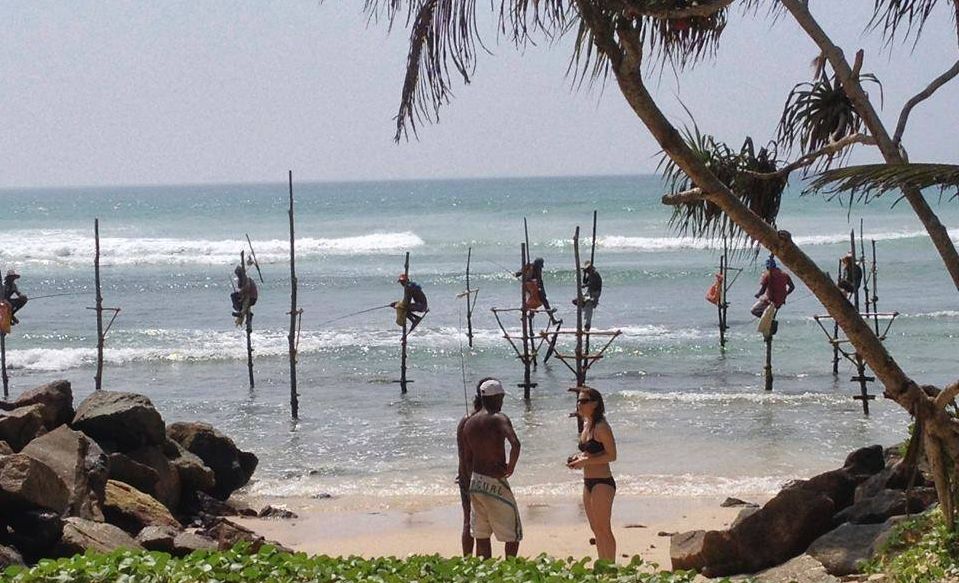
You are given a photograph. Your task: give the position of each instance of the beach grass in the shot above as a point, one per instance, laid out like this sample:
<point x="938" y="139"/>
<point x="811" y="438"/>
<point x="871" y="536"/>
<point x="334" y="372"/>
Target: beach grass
<point x="272" y="565"/>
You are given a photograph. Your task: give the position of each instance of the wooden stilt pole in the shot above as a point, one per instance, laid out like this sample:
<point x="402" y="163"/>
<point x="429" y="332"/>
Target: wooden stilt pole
<point x="98" y="379"/>
<point x="526" y="323"/>
<point x="580" y="353"/>
<point x="875" y="288"/>
<point x="528" y="334"/>
<point x="721" y="305"/>
<point x="592" y="258"/>
<point x="852" y="249"/>
<point x="3" y="366"/>
<point x="768" y="370"/>
<point x="247" y="314"/>
<point x="295" y="315"/>
<point x="403" y="381"/>
<point x="469" y="299"/>
<point x="835" y="332"/>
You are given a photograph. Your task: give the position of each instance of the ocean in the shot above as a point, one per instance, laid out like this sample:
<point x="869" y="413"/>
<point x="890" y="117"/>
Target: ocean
<point x="690" y="418"/>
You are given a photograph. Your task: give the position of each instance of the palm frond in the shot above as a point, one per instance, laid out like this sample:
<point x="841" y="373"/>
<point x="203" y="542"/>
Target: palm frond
<point x="891" y="16"/>
<point x="869" y="181"/>
<point x="817" y="114"/>
<point x="703" y="219"/>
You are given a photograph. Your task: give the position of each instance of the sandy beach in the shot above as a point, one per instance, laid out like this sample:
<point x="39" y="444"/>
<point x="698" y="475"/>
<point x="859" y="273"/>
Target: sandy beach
<point x="377" y="526"/>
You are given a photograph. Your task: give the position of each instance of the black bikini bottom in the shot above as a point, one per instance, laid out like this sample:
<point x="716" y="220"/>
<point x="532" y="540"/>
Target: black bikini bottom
<point x="591" y="482"/>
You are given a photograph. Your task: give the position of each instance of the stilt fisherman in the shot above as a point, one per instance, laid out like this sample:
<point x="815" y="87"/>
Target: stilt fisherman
<point x="413" y="306"/>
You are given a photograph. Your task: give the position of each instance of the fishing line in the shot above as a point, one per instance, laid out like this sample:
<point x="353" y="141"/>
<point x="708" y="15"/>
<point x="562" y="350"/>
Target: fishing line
<point x="343" y="317"/>
<point x="466" y="400"/>
<point x="58" y="295"/>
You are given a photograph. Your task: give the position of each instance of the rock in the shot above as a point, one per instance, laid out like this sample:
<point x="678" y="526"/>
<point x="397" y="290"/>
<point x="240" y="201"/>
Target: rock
<point x="744" y="514"/>
<point x="866" y="461"/>
<point x="26" y="483"/>
<point x="777" y="532"/>
<point x="81" y="535"/>
<point x="166" y="488"/>
<point x="158" y="538"/>
<point x="187" y="542"/>
<point x="35" y="532"/>
<point x="5" y="448"/>
<point x="120" y="421"/>
<point x="206" y="504"/>
<point x="194" y="475"/>
<point x="132" y="510"/>
<point x="20" y="426"/>
<point x="734" y="502"/>
<point x="843" y="549"/>
<point x="838" y="485"/>
<point x="283" y="513"/>
<point x="231" y="467"/>
<point x="140" y="476"/>
<point x="10" y="557"/>
<point x="79" y="462"/>
<point x="55" y="400"/>
<point x="802" y="569"/>
<point x="894" y="477"/>
<point x="884" y="505"/>
<point x="227" y="534"/>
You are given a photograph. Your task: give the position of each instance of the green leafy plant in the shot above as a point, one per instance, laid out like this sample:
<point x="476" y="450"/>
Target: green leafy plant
<point x="919" y="550"/>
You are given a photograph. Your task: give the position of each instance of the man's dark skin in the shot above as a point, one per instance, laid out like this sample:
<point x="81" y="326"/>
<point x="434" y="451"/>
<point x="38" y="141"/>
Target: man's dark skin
<point x="484" y="452"/>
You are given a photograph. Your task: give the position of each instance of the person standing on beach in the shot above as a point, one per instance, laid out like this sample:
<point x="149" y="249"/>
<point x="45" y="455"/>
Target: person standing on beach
<point x="463" y="474"/>
<point x="13" y="295"/>
<point x="493" y="507"/>
<point x="775" y="285"/>
<point x="597" y="449"/>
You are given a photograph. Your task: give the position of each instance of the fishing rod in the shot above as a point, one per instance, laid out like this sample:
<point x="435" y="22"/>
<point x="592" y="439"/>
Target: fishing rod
<point x="253" y="256"/>
<point x="343" y="317"/>
<point x="509" y="271"/>
<point x="31" y="298"/>
<point x="466" y="399"/>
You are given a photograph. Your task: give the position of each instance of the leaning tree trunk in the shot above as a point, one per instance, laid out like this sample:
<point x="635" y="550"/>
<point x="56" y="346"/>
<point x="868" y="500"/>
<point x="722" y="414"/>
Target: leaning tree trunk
<point x="890" y="150"/>
<point x="624" y="50"/>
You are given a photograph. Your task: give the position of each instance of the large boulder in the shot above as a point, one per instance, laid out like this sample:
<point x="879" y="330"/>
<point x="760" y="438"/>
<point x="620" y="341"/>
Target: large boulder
<point x="866" y="461"/>
<point x="227" y="534"/>
<point x="79" y="462"/>
<point x="777" y="532"/>
<point x="20" y="426"/>
<point x="55" y="400"/>
<point x="158" y="538"/>
<point x="26" y="483"/>
<point x="5" y="448"/>
<point x="194" y="475"/>
<point x="231" y="467"/>
<point x="886" y="504"/>
<point x="10" y="557"/>
<point x="188" y="542"/>
<point x="802" y="569"/>
<point x="119" y="421"/>
<point x="81" y="535"/>
<point x="837" y="485"/>
<point x="125" y="469"/>
<point x="132" y="510"/>
<point x="167" y="488"/>
<point x="842" y="550"/>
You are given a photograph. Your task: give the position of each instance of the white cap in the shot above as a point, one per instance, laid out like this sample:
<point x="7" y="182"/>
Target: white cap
<point x="491" y="388"/>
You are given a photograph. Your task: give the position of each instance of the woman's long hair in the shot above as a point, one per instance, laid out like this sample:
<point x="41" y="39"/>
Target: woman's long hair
<point x="599" y="413"/>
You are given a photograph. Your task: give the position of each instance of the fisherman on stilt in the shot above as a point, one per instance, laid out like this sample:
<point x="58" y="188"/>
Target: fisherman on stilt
<point x="245" y="295"/>
<point x="14" y="296"/>
<point x="851" y="276"/>
<point x="413" y="306"/>
<point x="534" y="278"/>
<point x="593" y="284"/>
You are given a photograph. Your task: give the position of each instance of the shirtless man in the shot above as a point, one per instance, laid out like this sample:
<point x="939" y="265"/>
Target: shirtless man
<point x="493" y="507"/>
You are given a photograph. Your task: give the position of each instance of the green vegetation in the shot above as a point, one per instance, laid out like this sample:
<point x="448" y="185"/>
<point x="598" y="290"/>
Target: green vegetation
<point x="920" y="550"/>
<point x="270" y="565"/>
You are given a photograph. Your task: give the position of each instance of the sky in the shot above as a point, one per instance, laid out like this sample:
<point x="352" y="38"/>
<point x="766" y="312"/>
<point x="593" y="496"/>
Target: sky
<point x="187" y="92"/>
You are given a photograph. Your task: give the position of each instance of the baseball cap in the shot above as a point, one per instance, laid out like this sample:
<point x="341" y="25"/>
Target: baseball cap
<point x="491" y="388"/>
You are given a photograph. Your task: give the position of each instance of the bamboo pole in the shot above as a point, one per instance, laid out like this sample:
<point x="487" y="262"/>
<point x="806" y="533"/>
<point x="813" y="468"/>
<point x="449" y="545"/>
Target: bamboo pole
<point x="247" y="315"/>
<point x="529" y="314"/>
<point x="592" y="258"/>
<point x="469" y="299"/>
<point x="526" y="321"/>
<point x="721" y="305"/>
<point x="768" y="369"/>
<point x="835" y="333"/>
<point x="98" y="379"/>
<point x="3" y="366"/>
<point x="580" y="355"/>
<point x="295" y="314"/>
<point x="875" y="288"/>
<point x="403" y="381"/>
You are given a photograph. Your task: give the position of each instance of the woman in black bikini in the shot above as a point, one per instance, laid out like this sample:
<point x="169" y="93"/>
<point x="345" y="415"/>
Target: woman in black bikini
<point x="597" y="449"/>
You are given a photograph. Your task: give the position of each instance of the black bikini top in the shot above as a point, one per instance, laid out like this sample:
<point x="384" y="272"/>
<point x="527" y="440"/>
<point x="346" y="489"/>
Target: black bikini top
<point x="592" y="446"/>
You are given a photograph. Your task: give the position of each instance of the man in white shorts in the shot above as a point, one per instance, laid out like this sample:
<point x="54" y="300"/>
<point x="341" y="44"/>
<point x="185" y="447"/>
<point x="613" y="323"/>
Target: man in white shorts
<point x="493" y="507"/>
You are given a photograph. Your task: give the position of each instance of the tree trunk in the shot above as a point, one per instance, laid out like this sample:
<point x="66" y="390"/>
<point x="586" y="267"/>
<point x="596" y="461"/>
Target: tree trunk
<point x="891" y="151"/>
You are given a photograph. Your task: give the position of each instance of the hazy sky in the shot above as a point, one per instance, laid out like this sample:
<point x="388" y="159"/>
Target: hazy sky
<point x="112" y="92"/>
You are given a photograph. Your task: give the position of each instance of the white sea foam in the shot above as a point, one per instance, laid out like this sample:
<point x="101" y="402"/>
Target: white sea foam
<point x="718" y="397"/>
<point x="942" y="314"/>
<point x="70" y="247"/>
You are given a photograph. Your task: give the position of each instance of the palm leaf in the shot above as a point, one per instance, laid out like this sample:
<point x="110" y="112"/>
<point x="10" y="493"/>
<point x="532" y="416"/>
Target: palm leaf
<point x="892" y="16"/>
<point x="873" y="180"/>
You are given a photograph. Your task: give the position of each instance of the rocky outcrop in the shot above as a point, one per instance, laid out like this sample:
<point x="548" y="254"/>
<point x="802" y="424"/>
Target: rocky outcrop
<point x="187" y="542"/>
<point x="886" y="504"/>
<point x="132" y="510"/>
<point x="10" y="557"/>
<point x="120" y="421"/>
<point x="158" y="538"/>
<point x="802" y="569"/>
<point x="231" y="467"/>
<point x="80" y="463"/>
<point x="81" y="535"/>
<point x="227" y="534"/>
<point x="194" y="474"/>
<point x="167" y="487"/>
<point x="54" y="399"/>
<point x="5" y="448"/>
<point x="20" y="426"/>
<point x="844" y="549"/>
<point x="27" y="484"/>
<point x="34" y="532"/>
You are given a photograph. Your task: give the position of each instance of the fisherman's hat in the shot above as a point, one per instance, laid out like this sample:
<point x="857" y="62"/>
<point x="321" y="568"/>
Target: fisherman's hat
<point x="491" y="388"/>
<point x="12" y="274"/>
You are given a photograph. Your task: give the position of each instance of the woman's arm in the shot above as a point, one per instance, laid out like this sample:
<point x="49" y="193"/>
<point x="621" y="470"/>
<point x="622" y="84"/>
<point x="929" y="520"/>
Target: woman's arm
<point x="602" y="433"/>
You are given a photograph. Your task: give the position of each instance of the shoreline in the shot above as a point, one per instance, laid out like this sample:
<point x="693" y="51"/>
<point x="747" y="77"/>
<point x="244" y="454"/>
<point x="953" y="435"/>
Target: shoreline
<point x="373" y="526"/>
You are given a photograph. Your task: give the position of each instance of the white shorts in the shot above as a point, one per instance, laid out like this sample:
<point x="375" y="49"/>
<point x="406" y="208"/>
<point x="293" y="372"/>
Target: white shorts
<point x="493" y="509"/>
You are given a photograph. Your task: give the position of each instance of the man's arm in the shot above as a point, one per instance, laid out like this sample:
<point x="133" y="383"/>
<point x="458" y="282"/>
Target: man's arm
<point x="762" y="286"/>
<point x="514" y="445"/>
<point x="790" y="286"/>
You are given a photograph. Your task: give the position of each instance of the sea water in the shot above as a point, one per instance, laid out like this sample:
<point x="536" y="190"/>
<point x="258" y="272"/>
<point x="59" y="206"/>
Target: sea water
<point x="690" y="418"/>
